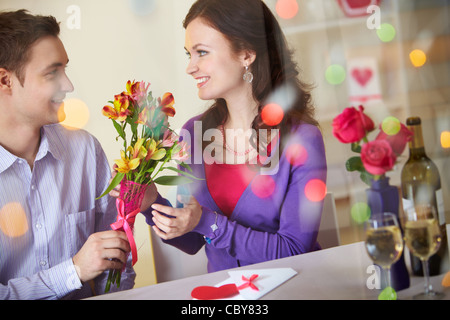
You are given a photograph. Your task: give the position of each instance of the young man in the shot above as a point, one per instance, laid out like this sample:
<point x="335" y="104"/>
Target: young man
<point x="53" y="238"/>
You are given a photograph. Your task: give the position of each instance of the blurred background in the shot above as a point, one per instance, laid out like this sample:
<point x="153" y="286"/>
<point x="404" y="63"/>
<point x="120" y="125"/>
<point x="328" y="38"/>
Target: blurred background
<point x="393" y="57"/>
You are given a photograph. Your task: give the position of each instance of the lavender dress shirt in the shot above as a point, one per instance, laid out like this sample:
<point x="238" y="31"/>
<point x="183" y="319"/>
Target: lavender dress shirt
<point x="282" y="223"/>
<point x="47" y="214"/>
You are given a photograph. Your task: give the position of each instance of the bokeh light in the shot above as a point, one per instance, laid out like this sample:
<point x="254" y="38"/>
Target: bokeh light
<point x="13" y="220"/>
<point x="76" y="114"/>
<point x="272" y="114"/>
<point x="286" y="9"/>
<point x="386" y="32"/>
<point x="315" y="190"/>
<point x="391" y="126"/>
<point x="263" y="186"/>
<point x="418" y="58"/>
<point x="335" y="74"/>
<point x="445" y="139"/>
<point x="360" y="212"/>
<point x="296" y="154"/>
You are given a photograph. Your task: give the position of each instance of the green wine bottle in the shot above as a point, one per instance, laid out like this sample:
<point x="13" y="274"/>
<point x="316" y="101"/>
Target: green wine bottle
<point x="421" y="184"/>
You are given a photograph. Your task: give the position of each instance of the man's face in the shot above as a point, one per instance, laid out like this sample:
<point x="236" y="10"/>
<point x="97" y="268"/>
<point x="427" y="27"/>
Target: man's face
<point x="45" y="84"/>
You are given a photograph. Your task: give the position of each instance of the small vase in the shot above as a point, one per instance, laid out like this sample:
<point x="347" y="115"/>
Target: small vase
<point x="382" y="197"/>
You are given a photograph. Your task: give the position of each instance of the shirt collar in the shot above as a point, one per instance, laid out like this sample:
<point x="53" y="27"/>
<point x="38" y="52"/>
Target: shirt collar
<point x="6" y="159"/>
<point x="50" y="143"/>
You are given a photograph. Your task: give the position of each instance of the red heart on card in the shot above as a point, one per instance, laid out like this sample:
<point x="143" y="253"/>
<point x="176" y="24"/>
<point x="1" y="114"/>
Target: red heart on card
<point x="211" y="293"/>
<point x="356" y="8"/>
<point x="362" y="76"/>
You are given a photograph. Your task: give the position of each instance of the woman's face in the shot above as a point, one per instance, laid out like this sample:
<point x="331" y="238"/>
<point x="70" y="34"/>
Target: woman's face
<point x="212" y="62"/>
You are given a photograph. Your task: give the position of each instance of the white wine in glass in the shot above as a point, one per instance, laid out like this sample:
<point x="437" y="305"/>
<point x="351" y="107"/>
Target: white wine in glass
<point x="423" y="238"/>
<point x="384" y="242"/>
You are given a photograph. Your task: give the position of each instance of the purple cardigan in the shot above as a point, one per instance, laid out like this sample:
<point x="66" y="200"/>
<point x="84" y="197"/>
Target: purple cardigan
<point x="283" y="224"/>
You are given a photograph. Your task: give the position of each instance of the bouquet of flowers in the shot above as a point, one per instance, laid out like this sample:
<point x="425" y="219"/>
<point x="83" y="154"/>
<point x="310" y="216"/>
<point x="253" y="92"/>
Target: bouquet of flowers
<point x="135" y="113"/>
<point x="377" y="156"/>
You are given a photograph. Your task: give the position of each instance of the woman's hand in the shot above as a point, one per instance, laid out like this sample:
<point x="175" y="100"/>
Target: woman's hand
<point x="182" y="220"/>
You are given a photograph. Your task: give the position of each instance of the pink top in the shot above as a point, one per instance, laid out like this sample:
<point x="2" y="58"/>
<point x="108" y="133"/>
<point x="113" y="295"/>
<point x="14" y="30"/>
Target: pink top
<point x="227" y="182"/>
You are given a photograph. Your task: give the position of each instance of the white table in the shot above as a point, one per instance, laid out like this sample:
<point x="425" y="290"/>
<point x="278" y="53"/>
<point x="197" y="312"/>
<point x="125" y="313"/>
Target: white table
<point x="335" y="273"/>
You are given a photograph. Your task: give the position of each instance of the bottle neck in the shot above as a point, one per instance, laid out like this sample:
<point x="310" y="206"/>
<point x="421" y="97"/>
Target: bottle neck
<point x="416" y="146"/>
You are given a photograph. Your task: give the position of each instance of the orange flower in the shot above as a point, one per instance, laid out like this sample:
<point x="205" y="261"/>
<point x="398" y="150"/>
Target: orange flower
<point x="137" y="90"/>
<point x="167" y="103"/>
<point x="120" y="110"/>
<point x="142" y="119"/>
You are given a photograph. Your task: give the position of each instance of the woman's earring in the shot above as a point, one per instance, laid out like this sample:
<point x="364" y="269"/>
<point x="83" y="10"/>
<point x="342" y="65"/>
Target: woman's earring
<point x="248" y="76"/>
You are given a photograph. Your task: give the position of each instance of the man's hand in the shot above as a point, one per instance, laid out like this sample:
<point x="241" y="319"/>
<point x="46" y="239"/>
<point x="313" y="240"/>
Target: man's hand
<point x="102" y="251"/>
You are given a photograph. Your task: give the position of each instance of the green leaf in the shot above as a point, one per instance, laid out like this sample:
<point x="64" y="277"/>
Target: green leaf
<point x="354" y="164"/>
<point x="182" y="172"/>
<point x="119" y="129"/>
<point x="184" y="165"/>
<point x="366" y="177"/>
<point x="172" y="180"/>
<point x="356" y="147"/>
<point x="114" y="182"/>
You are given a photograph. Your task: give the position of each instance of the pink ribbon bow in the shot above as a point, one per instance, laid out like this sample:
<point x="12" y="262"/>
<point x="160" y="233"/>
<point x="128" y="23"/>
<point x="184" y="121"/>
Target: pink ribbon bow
<point x="249" y="283"/>
<point x="126" y="223"/>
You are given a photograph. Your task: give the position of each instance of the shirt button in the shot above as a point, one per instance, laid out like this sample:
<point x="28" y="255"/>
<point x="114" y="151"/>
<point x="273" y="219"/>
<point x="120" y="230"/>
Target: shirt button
<point x="43" y="263"/>
<point x="38" y="226"/>
<point x="33" y="187"/>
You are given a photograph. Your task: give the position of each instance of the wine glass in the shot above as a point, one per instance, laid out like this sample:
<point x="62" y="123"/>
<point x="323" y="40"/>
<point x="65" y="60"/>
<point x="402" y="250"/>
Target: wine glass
<point x="384" y="243"/>
<point x="423" y="238"/>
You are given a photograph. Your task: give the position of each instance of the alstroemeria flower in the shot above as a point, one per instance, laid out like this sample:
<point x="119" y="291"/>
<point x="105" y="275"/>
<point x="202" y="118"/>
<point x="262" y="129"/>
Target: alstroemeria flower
<point x="180" y="151"/>
<point x="125" y="164"/>
<point x="138" y="151"/>
<point x="153" y="153"/>
<point x="137" y="90"/>
<point x="169" y="139"/>
<point x="142" y="119"/>
<point x="120" y="110"/>
<point x="167" y="103"/>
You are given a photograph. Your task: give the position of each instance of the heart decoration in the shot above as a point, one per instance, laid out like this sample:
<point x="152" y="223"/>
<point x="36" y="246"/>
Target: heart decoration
<point x="212" y="293"/>
<point x="362" y="76"/>
<point x="356" y="8"/>
<point x="225" y="291"/>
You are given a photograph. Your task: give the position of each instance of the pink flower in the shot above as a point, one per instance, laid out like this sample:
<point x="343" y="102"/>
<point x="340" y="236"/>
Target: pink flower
<point x="137" y="90"/>
<point x="377" y="157"/>
<point x="352" y="125"/>
<point x="169" y="139"/>
<point x="180" y="151"/>
<point x="397" y="141"/>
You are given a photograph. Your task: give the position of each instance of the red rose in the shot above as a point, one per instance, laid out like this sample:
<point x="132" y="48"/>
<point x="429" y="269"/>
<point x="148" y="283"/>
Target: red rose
<point x="397" y="141"/>
<point x="352" y="125"/>
<point x="377" y="157"/>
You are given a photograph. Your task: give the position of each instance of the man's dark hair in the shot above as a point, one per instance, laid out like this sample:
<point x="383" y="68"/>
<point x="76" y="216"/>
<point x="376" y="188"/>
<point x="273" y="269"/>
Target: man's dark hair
<point x="19" y="30"/>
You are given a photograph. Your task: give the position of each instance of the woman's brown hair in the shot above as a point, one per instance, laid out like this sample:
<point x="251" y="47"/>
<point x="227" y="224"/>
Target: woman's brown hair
<point x="250" y="25"/>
